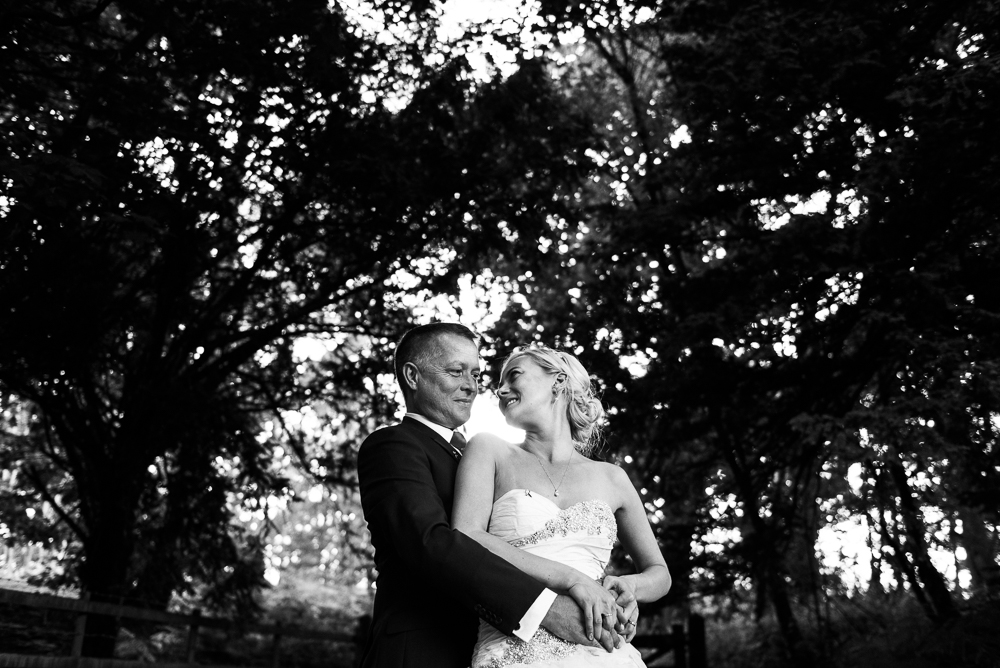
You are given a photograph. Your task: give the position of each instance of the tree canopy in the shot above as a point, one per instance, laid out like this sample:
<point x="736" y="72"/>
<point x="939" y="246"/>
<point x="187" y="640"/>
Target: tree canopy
<point x="770" y="230"/>
<point x="782" y="272"/>
<point x="191" y="188"/>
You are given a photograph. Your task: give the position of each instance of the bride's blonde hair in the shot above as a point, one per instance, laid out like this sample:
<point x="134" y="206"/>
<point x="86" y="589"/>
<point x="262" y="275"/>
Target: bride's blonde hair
<point x="583" y="409"/>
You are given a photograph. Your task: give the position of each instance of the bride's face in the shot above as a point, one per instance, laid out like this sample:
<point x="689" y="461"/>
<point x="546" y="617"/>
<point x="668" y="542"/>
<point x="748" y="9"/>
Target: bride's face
<point x="526" y="396"/>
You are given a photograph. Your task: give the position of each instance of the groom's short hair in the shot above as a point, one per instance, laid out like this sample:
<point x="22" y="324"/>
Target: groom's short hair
<point x="415" y="345"/>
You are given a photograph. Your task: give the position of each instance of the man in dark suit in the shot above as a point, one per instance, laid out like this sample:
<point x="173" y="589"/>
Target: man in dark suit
<point x="432" y="580"/>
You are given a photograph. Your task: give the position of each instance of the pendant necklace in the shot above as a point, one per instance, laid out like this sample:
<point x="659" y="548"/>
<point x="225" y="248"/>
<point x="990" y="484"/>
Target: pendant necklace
<point x="555" y="487"/>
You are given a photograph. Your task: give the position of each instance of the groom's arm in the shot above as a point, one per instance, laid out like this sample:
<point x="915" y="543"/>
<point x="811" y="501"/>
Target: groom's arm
<point x="408" y="519"/>
<point x="561" y="616"/>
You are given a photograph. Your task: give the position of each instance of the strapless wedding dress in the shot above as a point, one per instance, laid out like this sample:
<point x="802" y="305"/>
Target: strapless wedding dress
<point x="580" y="536"/>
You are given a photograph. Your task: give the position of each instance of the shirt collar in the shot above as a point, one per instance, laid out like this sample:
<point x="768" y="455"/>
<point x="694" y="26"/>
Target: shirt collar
<point x="444" y="432"/>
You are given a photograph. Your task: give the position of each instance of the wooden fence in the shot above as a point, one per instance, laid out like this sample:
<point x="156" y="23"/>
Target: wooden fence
<point x="686" y="645"/>
<point x="194" y="623"/>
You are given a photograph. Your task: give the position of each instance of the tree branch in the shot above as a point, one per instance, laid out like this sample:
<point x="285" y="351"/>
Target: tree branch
<point x="32" y="474"/>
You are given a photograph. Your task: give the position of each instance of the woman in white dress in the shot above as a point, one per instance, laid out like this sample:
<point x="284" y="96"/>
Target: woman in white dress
<point x="552" y="512"/>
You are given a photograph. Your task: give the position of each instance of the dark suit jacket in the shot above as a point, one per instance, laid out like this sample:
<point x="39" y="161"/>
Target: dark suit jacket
<point x="432" y="580"/>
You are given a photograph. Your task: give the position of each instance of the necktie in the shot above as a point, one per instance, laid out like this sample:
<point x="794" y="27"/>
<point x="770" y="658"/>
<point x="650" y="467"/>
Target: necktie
<point x="458" y="441"/>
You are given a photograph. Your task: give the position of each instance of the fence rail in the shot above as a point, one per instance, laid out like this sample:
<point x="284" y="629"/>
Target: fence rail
<point x="686" y="645"/>
<point x="193" y="622"/>
<point x="87" y="607"/>
<point x="28" y="661"/>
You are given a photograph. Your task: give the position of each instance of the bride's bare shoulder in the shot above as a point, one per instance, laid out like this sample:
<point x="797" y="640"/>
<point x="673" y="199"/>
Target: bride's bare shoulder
<point x="614" y="479"/>
<point x="616" y="475"/>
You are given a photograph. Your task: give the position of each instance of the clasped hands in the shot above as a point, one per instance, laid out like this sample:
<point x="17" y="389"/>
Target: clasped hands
<point x="610" y="610"/>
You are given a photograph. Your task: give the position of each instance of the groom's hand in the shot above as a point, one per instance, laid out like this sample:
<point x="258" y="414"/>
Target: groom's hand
<point x="628" y="607"/>
<point x="566" y="620"/>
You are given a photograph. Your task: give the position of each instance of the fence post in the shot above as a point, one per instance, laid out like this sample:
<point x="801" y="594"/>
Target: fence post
<point x="696" y="641"/>
<point x="361" y="637"/>
<point x="276" y="647"/>
<point x="192" y="642"/>
<point x="81" y="629"/>
<point x="680" y="646"/>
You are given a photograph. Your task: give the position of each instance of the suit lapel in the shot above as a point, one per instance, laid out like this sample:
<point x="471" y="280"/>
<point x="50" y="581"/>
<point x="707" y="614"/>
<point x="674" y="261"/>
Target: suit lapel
<point x="427" y="432"/>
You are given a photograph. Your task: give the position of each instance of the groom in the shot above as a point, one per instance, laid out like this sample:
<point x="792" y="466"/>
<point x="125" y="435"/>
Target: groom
<point x="434" y="581"/>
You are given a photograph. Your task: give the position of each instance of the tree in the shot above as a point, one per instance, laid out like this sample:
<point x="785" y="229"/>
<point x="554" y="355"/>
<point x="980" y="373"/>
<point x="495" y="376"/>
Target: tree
<point x="786" y="240"/>
<point x="191" y="188"/>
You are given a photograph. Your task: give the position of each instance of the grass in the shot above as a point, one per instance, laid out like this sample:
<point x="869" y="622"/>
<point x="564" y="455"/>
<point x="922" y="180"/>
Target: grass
<point x="860" y="632"/>
<point x="854" y="632"/>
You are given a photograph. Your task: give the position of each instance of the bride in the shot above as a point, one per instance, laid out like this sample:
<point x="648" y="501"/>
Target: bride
<point x="546" y="508"/>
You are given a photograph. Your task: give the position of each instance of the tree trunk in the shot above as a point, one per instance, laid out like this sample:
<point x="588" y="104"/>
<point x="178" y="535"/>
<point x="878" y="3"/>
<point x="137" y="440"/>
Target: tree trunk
<point x="980" y="553"/>
<point x="875" y="582"/>
<point x="778" y="590"/>
<point x="767" y="558"/>
<point x="676" y="533"/>
<point x="769" y="566"/>
<point x="108" y="552"/>
<point x="942" y="606"/>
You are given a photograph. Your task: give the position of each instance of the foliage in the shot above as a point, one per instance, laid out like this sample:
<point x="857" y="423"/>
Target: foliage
<point x="780" y="272"/>
<point x="769" y="230"/>
<point x="190" y="191"/>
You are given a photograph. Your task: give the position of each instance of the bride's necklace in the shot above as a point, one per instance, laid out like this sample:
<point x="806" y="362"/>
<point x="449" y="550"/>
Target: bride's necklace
<point x="555" y="487"/>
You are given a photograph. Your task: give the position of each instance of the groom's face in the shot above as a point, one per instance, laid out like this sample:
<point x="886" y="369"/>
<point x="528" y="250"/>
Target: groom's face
<point x="447" y="381"/>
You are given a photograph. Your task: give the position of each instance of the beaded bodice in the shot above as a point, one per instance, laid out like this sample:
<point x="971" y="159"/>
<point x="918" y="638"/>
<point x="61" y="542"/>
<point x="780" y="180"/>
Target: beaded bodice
<point x="580" y="536"/>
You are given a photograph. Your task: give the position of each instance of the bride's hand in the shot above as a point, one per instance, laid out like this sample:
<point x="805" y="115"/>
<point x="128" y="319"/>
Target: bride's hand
<point x="627" y="606"/>
<point x="597" y="604"/>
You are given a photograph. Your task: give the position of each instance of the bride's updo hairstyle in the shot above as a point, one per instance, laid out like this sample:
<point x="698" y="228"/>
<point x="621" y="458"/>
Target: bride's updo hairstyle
<point x="583" y="408"/>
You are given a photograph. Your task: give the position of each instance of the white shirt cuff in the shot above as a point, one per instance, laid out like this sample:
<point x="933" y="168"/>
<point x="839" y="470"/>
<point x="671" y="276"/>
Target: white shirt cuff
<point x="536" y="613"/>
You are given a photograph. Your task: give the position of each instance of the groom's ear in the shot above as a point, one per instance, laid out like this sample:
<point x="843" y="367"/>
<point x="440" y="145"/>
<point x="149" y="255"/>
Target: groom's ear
<point x="410" y="372"/>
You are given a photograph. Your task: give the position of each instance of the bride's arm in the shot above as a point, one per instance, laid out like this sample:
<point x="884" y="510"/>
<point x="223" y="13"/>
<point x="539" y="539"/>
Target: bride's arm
<point x="652" y="579"/>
